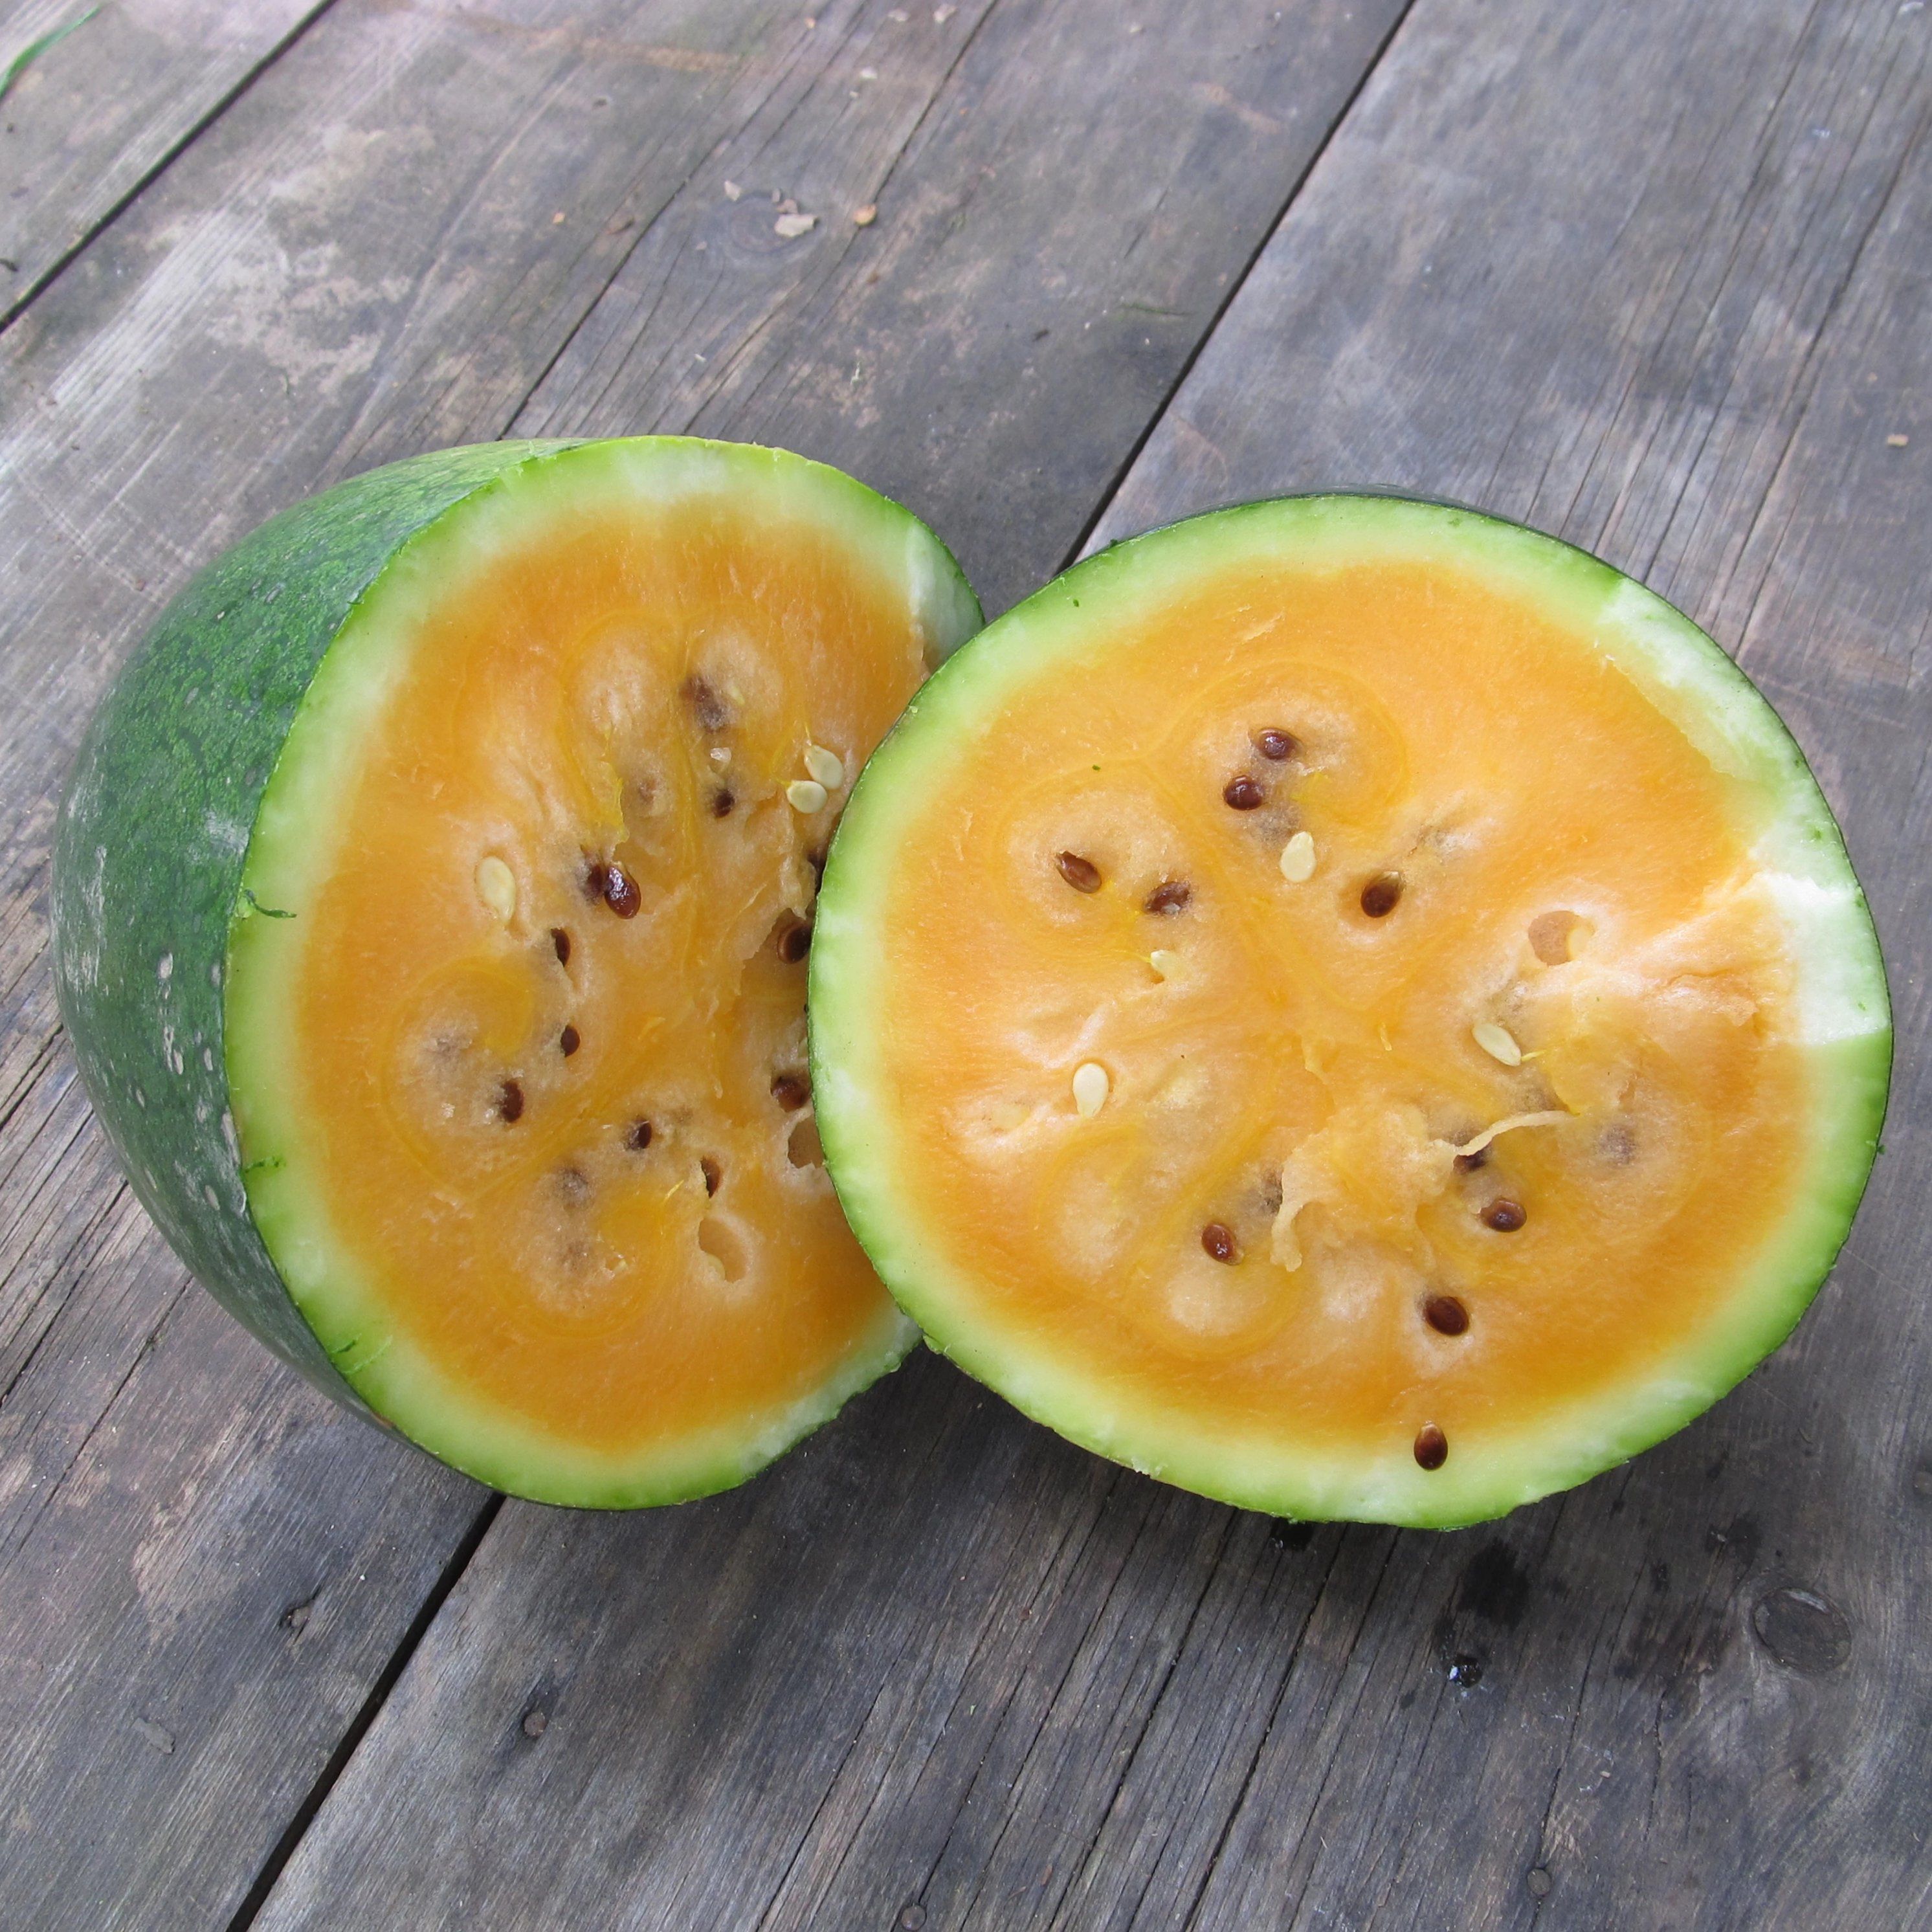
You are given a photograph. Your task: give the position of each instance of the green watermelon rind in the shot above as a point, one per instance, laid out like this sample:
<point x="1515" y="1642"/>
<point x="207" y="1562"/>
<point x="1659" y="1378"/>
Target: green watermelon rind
<point x="1842" y="999"/>
<point x="195" y="822"/>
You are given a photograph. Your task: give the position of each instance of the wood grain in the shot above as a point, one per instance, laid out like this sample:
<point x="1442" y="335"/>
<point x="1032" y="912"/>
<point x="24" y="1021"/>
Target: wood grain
<point x="361" y="257"/>
<point x="95" y="116"/>
<point x="938" y="1669"/>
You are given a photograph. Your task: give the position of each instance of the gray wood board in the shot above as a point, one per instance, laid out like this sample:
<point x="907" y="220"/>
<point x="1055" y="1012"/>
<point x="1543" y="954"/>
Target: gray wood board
<point x="1654" y="276"/>
<point x="361" y="257"/>
<point x="108" y="106"/>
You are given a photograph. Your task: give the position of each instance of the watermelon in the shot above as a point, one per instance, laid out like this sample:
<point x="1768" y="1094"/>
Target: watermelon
<point x="431" y="905"/>
<point x="1351" y="1006"/>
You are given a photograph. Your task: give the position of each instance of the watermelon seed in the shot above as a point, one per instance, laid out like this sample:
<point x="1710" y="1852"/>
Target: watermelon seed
<point x="1277" y="745"/>
<point x="496" y="887"/>
<point x="712" y="1173"/>
<point x="1082" y="875"/>
<point x="1297" y="859"/>
<point x="722" y="802"/>
<point x="1218" y="1238"/>
<point x="1090" y="1088"/>
<point x="1380" y="894"/>
<point x="828" y="768"/>
<point x="1498" y="1043"/>
<point x="1468" y="1163"/>
<point x="720" y="755"/>
<point x="707" y="706"/>
<point x="790" y="1090"/>
<point x="1166" y="965"/>
<point x="568" y="1041"/>
<point x="510" y="1100"/>
<point x="794" y="941"/>
<point x="560" y="939"/>
<point x="620" y="891"/>
<point x="638" y="1137"/>
<point x="1446" y="1315"/>
<point x="1504" y="1216"/>
<point x="1432" y="1447"/>
<point x="1244" y="793"/>
<point x="1170" y="896"/>
<point x="806" y="796"/>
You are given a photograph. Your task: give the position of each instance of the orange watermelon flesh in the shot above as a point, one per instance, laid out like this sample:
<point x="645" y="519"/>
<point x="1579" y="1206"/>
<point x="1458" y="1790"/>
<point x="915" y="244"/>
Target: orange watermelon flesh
<point x="520" y="1088"/>
<point x="1350" y="1006"/>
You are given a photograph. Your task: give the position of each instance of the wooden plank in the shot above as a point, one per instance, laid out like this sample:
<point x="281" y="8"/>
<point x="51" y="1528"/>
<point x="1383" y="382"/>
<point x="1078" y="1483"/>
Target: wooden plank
<point x="937" y="1669"/>
<point x="206" y="361"/>
<point x="94" y="116"/>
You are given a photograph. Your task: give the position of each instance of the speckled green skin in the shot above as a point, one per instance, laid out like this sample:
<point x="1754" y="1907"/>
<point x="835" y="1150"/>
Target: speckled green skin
<point x="148" y="853"/>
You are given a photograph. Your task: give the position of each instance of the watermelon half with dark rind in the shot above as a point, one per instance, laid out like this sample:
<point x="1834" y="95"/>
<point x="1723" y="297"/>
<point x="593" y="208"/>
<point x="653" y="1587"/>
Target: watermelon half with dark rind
<point x="1349" y="1006"/>
<point x="412" y="802"/>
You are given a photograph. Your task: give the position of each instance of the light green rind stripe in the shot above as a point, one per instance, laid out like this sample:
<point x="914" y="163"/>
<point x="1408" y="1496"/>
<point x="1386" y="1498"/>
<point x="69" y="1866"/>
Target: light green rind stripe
<point x="1843" y="1005"/>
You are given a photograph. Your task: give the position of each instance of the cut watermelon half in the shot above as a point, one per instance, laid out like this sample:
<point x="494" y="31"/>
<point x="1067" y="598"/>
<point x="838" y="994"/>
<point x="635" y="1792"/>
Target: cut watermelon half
<point x="431" y="905"/>
<point x="1351" y="1006"/>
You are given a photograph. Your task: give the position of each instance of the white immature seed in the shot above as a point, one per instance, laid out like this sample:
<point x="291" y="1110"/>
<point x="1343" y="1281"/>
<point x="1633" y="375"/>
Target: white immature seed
<point x="807" y="795"/>
<point x="1166" y="965"/>
<point x="1090" y="1088"/>
<point x="720" y="755"/>
<point x="827" y="767"/>
<point x="1297" y="859"/>
<point x="496" y="887"/>
<point x="1498" y="1043"/>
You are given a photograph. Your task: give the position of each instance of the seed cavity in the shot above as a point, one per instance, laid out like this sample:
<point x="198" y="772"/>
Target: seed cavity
<point x="1432" y="1447"/>
<point x="1166" y="965"/>
<point x="1446" y="1315"/>
<point x="1277" y="745"/>
<point x="1498" y="1042"/>
<point x="1297" y="859"/>
<point x="1552" y="935"/>
<point x="791" y="1091"/>
<point x="1218" y="1238"/>
<point x="794" y="941"/>
<point x="510" y="1101"/>
<point x="828" y="768"/>
<point x="1504" y="1216"/>
<point x="725" y="1245"/>
<point x="1082" y="875"/>
<point x="712" y="1173"/>
<point x="573" y="1184"/>
<point x="806" y="795"/>
<point x="722" y="802"/>
<point x="707" y="706"/>
<point x="1170" y="896"/>
<point x="595" y="873"/>
<point x="495" y="887"/>
<point x="804" y="1148"/>
<point x="637" y="1136"/>
<point x="1468" y="1163"/>
<point x="1090" y="1086"/>
<point x="1380" y="895"/>
<point x="1244" y="793"/>
<point x="560" y="939"/>
<point x="568" y="1041"/>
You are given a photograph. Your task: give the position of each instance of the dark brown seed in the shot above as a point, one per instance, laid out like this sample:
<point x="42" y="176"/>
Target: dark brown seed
<point x="1244" y="793"/>
<point x="795" y="941"/>
<point x="620" y="892"/>
<point x="1380" y="894"/>
<point x="722" y="802"/>
<point x="569" y="1041"/>
<point x="1446" y="1315"/>
<point x="561" y="941"/>
<point x="1505" y="1216"/>
<point x="595" y="873"/>
<point x="638" y="1137"/>
<point x="1082" y="875"/>
<point x="707" y="706"/>
<point x="1219" y="1240"/>
<point x="1276" y="745"/>
<point x="510" y="1101"/>
<point x="1170" y="896"/>
<point x="712" y="1173"/>
<point x="790" y="1090"/>
<point x="1432" y="1447"/>
<point x="1468" y="1163"/>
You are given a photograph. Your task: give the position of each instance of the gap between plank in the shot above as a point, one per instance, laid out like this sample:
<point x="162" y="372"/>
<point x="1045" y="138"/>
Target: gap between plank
<point x="257" y="1895"/>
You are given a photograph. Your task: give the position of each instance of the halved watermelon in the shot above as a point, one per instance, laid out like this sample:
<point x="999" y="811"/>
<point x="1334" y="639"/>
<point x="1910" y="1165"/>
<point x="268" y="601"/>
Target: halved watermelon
<point x="1349" y="1006"/>
<point x="430" y="904"/>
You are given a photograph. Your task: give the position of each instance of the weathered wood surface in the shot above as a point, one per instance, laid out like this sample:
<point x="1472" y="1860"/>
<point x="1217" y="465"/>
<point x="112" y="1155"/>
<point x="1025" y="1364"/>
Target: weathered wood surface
<point x="101" y="112"/>
<point x="1654" y="276"/>
<point x="206" y="1578"/>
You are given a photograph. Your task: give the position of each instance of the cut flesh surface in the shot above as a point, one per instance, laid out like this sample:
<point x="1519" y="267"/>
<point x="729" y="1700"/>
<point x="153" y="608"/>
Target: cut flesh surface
<point x="1352" y="1006"/>
<point x="515" y="1028"/>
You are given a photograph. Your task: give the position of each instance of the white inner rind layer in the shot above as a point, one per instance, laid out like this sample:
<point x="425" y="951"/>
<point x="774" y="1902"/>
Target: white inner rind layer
<point x="295" y="848"/>
<point x="1842" y="1016"/>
